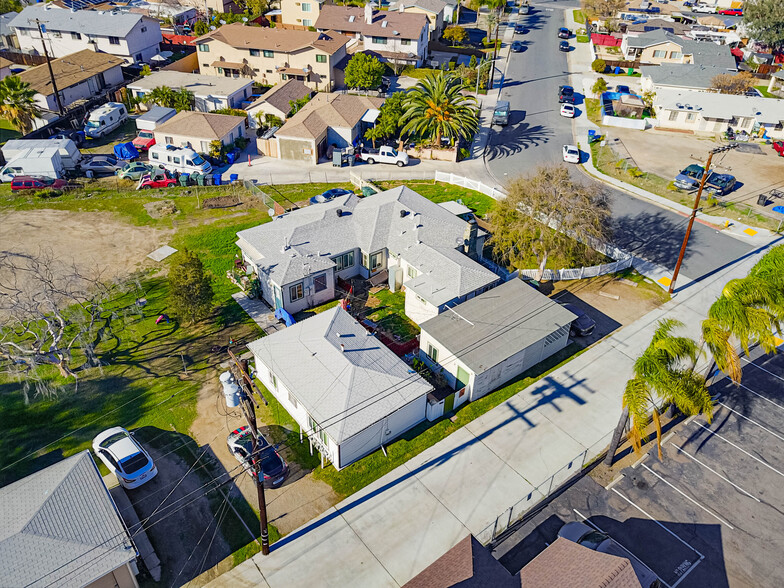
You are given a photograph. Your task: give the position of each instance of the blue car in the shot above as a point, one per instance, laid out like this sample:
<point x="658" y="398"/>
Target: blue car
<point x="720" y="184"/>
<point x="690" y="177"/>
<point x="329" y="195"/>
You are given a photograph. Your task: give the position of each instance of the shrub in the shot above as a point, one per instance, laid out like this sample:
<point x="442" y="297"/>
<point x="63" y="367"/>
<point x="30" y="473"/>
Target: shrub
<point x="599" y="65"/>
<point x="463" y="154"/>
<point x="48" y="193"/>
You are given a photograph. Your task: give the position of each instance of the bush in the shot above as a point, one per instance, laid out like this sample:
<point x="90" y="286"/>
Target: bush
<point x="599" y="65"/>
<point x="463" y="154"/>
<point x="47" y="193"/>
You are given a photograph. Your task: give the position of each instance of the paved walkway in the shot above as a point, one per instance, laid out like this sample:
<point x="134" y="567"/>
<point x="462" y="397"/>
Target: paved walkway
<point x="258" y="310"/>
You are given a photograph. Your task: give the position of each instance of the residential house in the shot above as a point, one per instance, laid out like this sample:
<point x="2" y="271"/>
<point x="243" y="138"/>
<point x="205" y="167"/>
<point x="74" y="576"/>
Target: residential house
<point x="661" y="47"/>
<point x="328" y="120"/>
<point x="8" y="40"/>
<point x="423" y="248"/>
<point x="653" y="24"/>
<point x="62" y="528"/>
<point x="295" y="14"/>
<point x="347" y="391"/>
<point x="133" y="37"/>
<point x="434" y="10"/>
<point x="688" y="76"/>
<point x="397" y="37"/>
<point x="712" y="113"/>
<point x="79" y="76"/>
<point x="272" y="55"/>
<point x="198" y="129"/>
<point x="210" y="92"/>
<point x="493" y="338"/>
<point x="563" y="563"/>
<point x="277" y="101"/>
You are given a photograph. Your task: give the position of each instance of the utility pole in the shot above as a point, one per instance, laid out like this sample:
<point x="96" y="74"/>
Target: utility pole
<point x="49" y="65"/>
<point x="694" y="209"/>
<point x="248" y="405"/>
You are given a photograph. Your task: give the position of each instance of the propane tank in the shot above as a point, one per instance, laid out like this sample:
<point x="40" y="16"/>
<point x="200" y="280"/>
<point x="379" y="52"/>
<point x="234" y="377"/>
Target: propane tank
<point x="231" y="391"/>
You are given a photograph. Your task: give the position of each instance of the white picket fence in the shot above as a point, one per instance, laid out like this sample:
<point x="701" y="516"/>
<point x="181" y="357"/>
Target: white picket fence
<point x="464" y="182"/>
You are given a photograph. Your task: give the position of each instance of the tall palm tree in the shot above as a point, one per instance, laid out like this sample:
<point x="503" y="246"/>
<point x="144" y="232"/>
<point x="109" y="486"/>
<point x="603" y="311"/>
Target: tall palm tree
<point x="17" y="103"/>
<point x="436" y="108"/>
<point x="183" y="100"/>
<point x="162" y="96"/>
<point x="661" y="378"/>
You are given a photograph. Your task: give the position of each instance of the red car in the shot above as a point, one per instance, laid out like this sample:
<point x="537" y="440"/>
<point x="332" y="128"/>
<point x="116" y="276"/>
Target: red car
<point x="731" y="11"/>
<point x="37" y="183"/>
<point x="778" y="147"/>
<point x="144" y="140"/>
<point x="164" y="180"/>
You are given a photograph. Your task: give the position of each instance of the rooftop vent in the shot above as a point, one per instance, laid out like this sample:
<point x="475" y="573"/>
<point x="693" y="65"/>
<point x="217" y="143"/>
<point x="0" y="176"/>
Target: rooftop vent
<point x="351" y="18"/>
<point x="339" y="212"/>
<point x="395" y="33"/>
<point x="384" y="24"/>
<point x="403" y="213"/>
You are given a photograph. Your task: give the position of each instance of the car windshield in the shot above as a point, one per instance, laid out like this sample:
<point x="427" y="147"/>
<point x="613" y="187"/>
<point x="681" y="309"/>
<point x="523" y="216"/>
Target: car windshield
<point x="93" y="124"/>
<point x="112" y="439"/>
<point x="500" y="111"/>
<point x="593" y="539"/>
<point x="197" y="160"/>
<point x="134" y="463"/>
<point x="572" y="151"/>
<point x="721" y="181"/>
<point x="393" y="152"/>
<point x="146" y="135"/>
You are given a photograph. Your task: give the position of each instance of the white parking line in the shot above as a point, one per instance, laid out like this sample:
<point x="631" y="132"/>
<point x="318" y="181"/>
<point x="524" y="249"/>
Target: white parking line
<point x="686" y="496"/>
<point x="766" y="464"/>
<point x="763" y="369"/>
<point x="761" y="396"/>
<point x="743" y="416"/>
<point x="682" y="450"/>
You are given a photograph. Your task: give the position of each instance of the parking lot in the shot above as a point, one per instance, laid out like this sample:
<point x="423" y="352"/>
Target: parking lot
<point x="711" y="513"/>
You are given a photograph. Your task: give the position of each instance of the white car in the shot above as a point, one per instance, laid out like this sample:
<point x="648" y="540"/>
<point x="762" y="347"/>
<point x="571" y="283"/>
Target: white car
<point x="567" y="110"/>
<point x="703" y="8"/>
<point x="124" y="457"/>
<point x="571" y="154"/>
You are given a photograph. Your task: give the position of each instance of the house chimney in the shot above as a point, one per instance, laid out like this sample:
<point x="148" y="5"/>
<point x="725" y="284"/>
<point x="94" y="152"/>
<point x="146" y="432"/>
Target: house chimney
<point x="368" y="14"/>
<point x="469" y="239"/>
<point x="342" y="348"/>
<point x="401" y="7"/>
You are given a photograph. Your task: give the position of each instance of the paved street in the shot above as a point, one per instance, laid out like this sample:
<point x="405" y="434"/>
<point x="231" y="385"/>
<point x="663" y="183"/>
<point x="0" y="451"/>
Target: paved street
<point x="537" y="132"/>
<point x="710" y="514"/>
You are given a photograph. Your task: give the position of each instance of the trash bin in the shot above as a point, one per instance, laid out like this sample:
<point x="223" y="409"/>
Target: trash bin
<point x="234" y="178"/>
<point x="208" y="179"/>
<point x="184" y="179"/>
<point x="199" y="179"/>
<point x="337" y="158"/>
<point x="216" y="180"/>
<point x="762" y="199"/>
<point x="630" y="72"/>
<point x="591" y="135"/>
<point x="617" y="70"/>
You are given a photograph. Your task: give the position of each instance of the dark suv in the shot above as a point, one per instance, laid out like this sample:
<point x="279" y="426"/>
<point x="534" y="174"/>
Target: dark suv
<point x="564" y="33"/>
<point x="566" y="94"/>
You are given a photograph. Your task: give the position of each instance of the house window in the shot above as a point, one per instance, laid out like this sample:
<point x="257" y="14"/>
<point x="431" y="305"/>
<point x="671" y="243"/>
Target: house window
<point x="114" y="41"/>
<point x="320" y="282"/>
<point x="432" y="352"/>
<point x="379" y="41"/>
<point x="269" y="71"/>
<point x="56" y="34"/>
<point x="306" y="22"/>
<point x="365" y="262"/>
<point x="76" y="36"/>
<point x="324" y="438"/>
<point x="296" y="292"/>
<point x="674" y="115"/>
<point x="154" y="155"/>
<point x="306" y="7"/>
<point x="144" y="29"/>
<point x="405" y="41"/>
<point x="284" y="77"/>
<point x="659" y="54"/>
<point x="376" y="259"/>
<point x="168" y="140"/>
<point x="274" y="380"/>
<point x="205" y="146"/>
<point x="269" y="53"/>
<point x="691" y="116"/>
<point x="321" y="58"/>
<point x="676" y="55"/>
<point x="293" y="401"/>
<point x="204" y="47"/>
<point x="344" y="261"/>
<point x="255" y="53"/>
<point x="412" y="272"/>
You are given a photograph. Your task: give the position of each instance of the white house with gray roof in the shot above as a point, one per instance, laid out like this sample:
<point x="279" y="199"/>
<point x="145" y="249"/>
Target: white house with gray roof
<point x="60" y="527"/>
<point x="134" y="37"/>
<point x="426" y="249"/>
<point x="349" y="393"/>
<point x="210" y="92"/>
<point x="485" y="342"/>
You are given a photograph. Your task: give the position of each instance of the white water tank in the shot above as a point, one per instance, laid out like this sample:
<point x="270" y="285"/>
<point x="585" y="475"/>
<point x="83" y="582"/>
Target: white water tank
<point x="231" y="391"/>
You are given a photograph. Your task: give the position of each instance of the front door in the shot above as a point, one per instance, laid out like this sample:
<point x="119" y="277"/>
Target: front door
<point x="278" y="297"/>
<point x="462" y="378"/>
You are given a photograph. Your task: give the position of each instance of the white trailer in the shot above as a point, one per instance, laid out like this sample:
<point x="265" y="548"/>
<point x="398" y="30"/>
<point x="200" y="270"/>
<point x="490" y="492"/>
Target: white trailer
<point x="69" y="152"/>
<point x="104" y="119"/>
<point x="36" y="161"/>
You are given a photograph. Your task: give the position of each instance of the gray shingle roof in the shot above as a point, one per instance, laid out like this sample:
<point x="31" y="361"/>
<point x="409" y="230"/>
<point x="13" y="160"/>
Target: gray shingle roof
<point x="704" y="52"/>
<point x="721" y="106"/>
<point x="92" y="22"/>
<point x="427" y="237"/>
<point x="434" y="6"/>
<point x="504" y="320"/>
<point x="686" y="75"/>
<point x="353" y="388"/>
<point x="59" y="527"/>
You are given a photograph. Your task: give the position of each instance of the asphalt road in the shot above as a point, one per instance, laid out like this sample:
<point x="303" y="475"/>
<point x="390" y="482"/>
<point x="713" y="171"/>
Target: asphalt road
<point x="537" y="133"/>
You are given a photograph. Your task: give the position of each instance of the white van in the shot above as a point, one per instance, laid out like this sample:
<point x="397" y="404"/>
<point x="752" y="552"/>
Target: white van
<point x="181" y="159"/>
<point x="104" y="119"/>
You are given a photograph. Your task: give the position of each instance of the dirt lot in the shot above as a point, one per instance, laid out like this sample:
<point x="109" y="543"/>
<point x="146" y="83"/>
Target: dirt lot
<point x="89" y="239"/>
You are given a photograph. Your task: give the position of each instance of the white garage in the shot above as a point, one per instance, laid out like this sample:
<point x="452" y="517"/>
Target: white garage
<point x="349" y="393"/>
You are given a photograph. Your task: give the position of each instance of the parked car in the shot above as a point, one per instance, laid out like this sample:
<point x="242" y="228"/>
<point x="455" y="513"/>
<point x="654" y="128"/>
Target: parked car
<point x="37" y="183"/>
<point x="589" y="537"/>
<point x="75" y="136"/>
<point x="272" y="465"/>
<point x="524" y="9"/>
<point x="720" y="184"/>
<point x="162" y="179"/>
<point x="384" y="155"/>
<point x="703" y="8"/>
<point x="134" y="170"/>
<point x="690" y="177"/>
<point x="564" y="33"/>
<point x="571" y="154"/>
<point x="583" y="325"/>
<point x="520" y="29"/>
<point x="501" y="113"/>
<point x="517" y="47"/>
<point x="329" y="195"/>
<point x="125" y="457"/>
<point x="566" y="94"/>
<point x="144" y="140"/>
<point x="778" y="147"/>
<point x="731" y="11"/>
<point x="564" y="46"/>
<point x="567" y="110"/>
<point x="621" y="89"/>
<point x="101" y="165"/>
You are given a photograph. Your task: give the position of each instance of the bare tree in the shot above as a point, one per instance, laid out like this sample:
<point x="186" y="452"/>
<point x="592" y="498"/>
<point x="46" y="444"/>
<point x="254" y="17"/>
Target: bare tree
<point x="547" y="213"/>
<point x="732" y="83"/>
<point x="605" y="8"/>
<point x="51" y="314"/>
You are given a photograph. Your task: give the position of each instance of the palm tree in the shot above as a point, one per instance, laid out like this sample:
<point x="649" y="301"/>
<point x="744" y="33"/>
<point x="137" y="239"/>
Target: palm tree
<point x="182" y="100"/>
<point x="162" y="96"/>
<point x="17" y="103"/>
<point x="660" y="378"/>
<point x="436" y="108"/>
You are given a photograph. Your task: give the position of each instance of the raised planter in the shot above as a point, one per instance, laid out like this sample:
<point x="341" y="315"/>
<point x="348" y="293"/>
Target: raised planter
<point x="434" y="154"/>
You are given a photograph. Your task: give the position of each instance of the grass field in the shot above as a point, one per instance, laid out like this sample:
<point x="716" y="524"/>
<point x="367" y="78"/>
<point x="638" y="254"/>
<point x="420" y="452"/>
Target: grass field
<point x="7" y="131"/>
<point x="764" y="91"/>
<point x="442" y="192"/>
<point x="579" y="16"/>
<point x="387" y="310"/>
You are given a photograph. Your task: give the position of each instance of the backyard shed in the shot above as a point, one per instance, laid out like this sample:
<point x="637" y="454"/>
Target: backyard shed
<point x="493" y="338"/>
<point x="347" y="391"/>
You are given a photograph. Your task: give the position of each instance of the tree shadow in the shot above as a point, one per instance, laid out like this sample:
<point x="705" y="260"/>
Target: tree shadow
<point x="515" y="138"/>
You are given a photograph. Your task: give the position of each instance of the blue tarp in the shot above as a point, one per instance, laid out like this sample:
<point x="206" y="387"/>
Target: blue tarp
<point x="126" y="151"/>
<point x="283" y="315"/>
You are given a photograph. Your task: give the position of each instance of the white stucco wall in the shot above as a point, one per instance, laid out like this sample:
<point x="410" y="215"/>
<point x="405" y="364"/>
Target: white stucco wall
<point x="418" y="309"/>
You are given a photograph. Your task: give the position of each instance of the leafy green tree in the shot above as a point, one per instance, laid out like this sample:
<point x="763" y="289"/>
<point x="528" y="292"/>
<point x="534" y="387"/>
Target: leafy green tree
<point x="599" y="86"/>
<point x="17" y="103"/>
<point x="183" y="99"/>
<point x="660" y="379"/>
<point x="436" y="108"/>
<point x="472" y="63"/>
<point x="190" y="288"/>
<point x="364" y="72"/>
<point x="7" y="6"/>
<point x="455" y="35"/>
<point x="764" y="21"/>
<point x="201" y="28"/>
<point x="146" y="71"/>
<point x="389" y="120"/>
<point x="599" y="65"/>
<point x="231" y="111"/>
<point x="162" y="96"/>
<point x="296" y="105"/>
<point x="374" y="133"/>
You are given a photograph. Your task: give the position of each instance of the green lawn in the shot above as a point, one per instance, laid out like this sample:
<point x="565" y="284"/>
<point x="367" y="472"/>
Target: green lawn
<point x="7" y="131"/>
<point x="582" y="38"/>
<point x="764" y="91"/>
<point x="593" y="110"/>
<point x="443" y="192"/>
<point x="389" y="314"/>
<point x="579" y="16"/>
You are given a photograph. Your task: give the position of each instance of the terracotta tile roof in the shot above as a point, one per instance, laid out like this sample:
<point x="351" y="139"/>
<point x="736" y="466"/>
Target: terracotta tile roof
<point x="240" y="36"/>
<point x="408" y="25"/>
<point x="201" y="125"/>
<point x="69" y="70"/>
<point x="328" y="110"/>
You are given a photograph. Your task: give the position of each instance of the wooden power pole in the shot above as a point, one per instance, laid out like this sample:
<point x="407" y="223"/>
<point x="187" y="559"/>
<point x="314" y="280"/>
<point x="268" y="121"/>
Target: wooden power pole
<point x="60" y="108"/>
